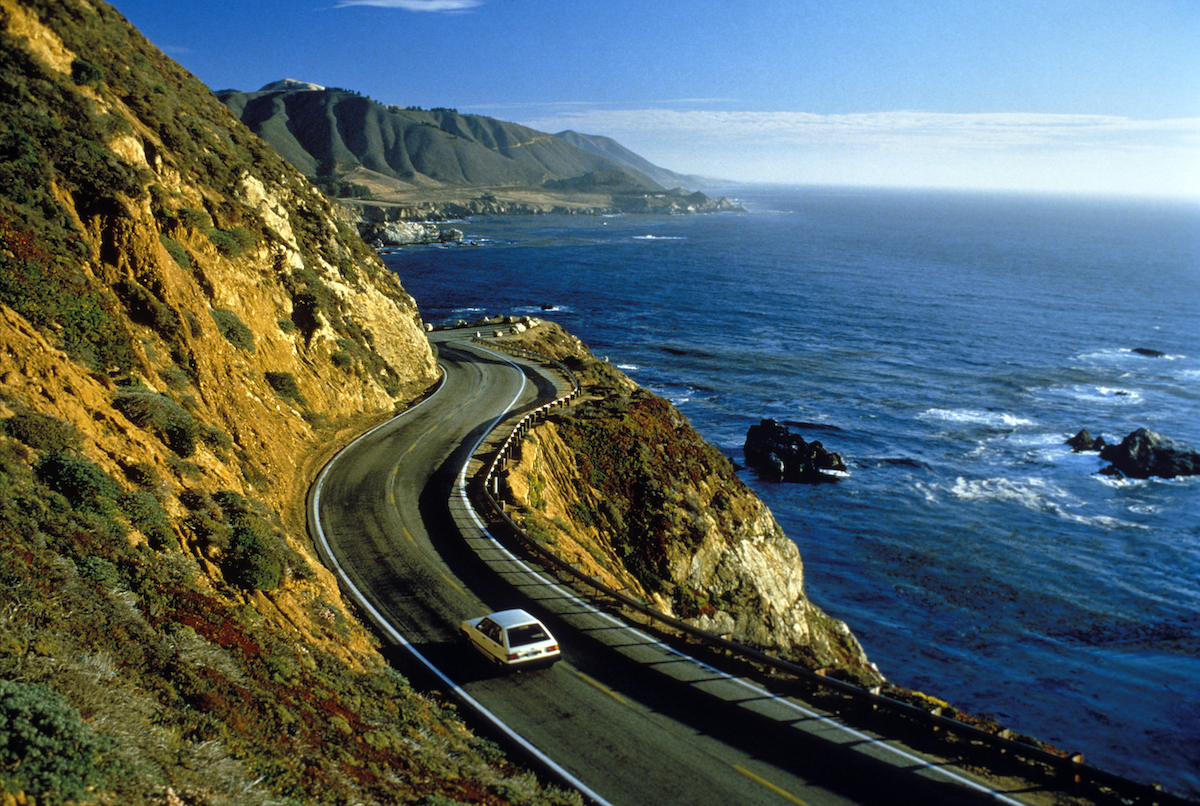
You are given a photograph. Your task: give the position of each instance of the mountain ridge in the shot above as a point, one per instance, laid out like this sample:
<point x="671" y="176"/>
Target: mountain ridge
<point x="447" y="163"/>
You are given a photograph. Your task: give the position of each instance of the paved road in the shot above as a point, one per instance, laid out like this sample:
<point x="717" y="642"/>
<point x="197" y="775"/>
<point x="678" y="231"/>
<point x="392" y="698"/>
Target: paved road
<point x="624" y="718"/>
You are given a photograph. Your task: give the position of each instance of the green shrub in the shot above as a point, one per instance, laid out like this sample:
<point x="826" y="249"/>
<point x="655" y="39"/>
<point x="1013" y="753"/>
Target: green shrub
<point x="195" y="219"/>
<point x="244" y="237"/>
<point x="233" y="329"/>
<point x="85" y="485"/>
<point x="158" y="413"/>
<point x="148" y="517"/>
<point x="254" y="558"/>
<point x="232" y="242"/>
<point x="174" y="377"/>
<point x="84" y="72"/>
<point x="146" y="309"/>
<point x="45" y="748"/>
<point x="114" y="125"/>
<point x="101" y="570"/>
<point x="42" y="432"/>
<point x="284" y="384"/>
<point x="251" y="564"/>
<point x="215" y="438"/>
<point x="226" y="244"/>
<point x="176" y="251"/>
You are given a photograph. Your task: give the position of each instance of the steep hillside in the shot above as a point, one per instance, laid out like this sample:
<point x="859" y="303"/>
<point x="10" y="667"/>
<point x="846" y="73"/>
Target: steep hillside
<point x="622" y="485"/>
<point x="327" y="133"/>
<point x="391" y="163"/>
<point x="185" y="333"/>
<point x="611" y="149"/>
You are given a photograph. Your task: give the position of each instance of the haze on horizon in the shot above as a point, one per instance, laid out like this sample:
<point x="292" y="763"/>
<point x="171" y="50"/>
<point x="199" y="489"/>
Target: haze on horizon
<point x="1074" y="96"/>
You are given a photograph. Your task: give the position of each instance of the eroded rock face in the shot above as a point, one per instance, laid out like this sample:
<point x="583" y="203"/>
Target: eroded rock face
<point x="208" y="275"/>
<point x="627" y="490"/>
<point x="1145" y="453"/>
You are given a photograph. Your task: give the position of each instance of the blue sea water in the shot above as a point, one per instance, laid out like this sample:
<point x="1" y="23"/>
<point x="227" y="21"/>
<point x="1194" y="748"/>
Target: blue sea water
<point x="946" y="344"/>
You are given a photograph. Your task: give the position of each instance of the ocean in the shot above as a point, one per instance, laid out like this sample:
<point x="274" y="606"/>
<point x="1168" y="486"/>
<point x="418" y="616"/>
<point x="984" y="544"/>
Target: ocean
<point x="946" y="344"/>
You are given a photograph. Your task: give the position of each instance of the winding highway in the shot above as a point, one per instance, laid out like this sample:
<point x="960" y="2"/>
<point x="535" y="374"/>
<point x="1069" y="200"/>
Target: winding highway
<point x="623" y="718"/>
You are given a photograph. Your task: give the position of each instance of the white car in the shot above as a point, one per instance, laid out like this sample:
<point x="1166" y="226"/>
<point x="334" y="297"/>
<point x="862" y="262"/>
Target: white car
<point x="512" y="638"/>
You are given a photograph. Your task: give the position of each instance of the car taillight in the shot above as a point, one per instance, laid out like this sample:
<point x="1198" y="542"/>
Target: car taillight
<point x="513" y="656"/>
<point x="552" y="648"/>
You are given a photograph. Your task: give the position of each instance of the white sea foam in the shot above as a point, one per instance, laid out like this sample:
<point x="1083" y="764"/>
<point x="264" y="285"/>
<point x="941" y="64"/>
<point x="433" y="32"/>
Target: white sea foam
<point x="537" y="310"/>
<point x="991" y="419"/>
<point x="1034" y="494"/>
<point x="658" y="238"/>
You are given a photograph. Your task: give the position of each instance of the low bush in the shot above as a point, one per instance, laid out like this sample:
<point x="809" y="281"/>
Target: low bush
<point x="41" y="431"/>
<point x="195" y="219"/>
<point x="84" y="72"/>
<point x="254" y="559"/>
<point x="45" y="748"/>
<point x="86" y="486"/>
<point x="284" y="384"/>
<point x="176" y="251"/>
<point x="233" y="329"/>
<point x="147" y="515"/>
<point x="166" y="418"/>
<point x="146" y="309"/>
<point x="226" y="244"/>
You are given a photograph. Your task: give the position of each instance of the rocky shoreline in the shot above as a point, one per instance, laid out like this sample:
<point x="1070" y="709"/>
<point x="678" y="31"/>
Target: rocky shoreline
<point x="385" y="224"/>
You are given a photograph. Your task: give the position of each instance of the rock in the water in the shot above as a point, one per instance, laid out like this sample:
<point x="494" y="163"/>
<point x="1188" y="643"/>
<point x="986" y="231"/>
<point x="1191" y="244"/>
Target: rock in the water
<point x="775" y="450"/>
<point x="1145" y="453"/>
<point x="1146" y="351"/>
<point x="1083" y="441"/>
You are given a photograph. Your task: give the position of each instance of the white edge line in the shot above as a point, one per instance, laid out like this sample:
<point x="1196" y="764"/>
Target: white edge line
<point x="383" y="624"/>
<point x="808" y="714"/>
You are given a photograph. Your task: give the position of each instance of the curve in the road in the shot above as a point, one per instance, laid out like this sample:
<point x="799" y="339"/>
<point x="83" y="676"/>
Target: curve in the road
<point x="611" y="655"/>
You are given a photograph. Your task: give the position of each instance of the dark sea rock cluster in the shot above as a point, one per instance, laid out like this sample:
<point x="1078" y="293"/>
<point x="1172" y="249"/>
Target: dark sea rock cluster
<point x="1142" y="454"/>
<point x="778" y="453"/>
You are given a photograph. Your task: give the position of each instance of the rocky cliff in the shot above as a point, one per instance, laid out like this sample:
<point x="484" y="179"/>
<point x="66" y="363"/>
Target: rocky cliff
<point x="186" y="331"/>
<point x="624" y="486"/>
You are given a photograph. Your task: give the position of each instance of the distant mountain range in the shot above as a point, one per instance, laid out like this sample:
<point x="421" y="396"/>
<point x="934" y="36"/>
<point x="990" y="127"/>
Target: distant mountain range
<point x="353" y="145"/>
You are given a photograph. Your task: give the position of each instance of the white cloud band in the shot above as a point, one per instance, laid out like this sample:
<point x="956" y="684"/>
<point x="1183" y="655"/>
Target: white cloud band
<point x="1061" y="152"/>
<point x="908" y="129"/>
<point x="414" y="5"/>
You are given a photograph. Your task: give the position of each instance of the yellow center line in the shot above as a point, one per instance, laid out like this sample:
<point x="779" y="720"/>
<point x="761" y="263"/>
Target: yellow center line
<point x="593" y="682"/>
<point x="453" y="584"/>
<point x="408" y="535"/>
<point x="764" y="782"/>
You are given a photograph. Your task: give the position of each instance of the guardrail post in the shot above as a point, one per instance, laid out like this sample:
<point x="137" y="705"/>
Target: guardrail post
<point x="1077" y="759"/>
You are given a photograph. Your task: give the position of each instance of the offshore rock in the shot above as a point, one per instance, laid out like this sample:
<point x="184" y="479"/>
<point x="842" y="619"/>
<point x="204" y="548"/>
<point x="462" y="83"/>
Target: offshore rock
<point x="1084" y="442"/>
<point x="777" y="452"/>
<point x="1145" y="453"/>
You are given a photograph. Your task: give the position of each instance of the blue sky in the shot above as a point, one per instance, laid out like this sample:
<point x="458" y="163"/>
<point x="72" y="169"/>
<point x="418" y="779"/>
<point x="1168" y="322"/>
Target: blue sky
<point x="1091" y="96"/>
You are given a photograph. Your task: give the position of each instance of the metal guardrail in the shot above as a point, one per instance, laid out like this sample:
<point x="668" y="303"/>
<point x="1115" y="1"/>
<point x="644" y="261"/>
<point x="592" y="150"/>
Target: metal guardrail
<point x="1067" y="767"/>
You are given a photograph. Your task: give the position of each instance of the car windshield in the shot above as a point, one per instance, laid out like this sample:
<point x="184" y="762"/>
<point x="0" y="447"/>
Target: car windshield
<point x="526" y="634"/>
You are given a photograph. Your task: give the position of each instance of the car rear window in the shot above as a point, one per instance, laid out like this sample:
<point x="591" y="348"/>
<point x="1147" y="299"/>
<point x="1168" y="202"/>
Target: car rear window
<point x="526" y="634"/>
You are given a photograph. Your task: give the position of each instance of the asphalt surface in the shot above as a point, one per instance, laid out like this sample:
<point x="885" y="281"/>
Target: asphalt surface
<point x="622" y="717"/>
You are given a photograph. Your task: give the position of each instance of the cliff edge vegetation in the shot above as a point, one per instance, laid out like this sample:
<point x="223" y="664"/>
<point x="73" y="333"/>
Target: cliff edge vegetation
<point x="622" y="485"/>
<point x="186" y="331"/>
